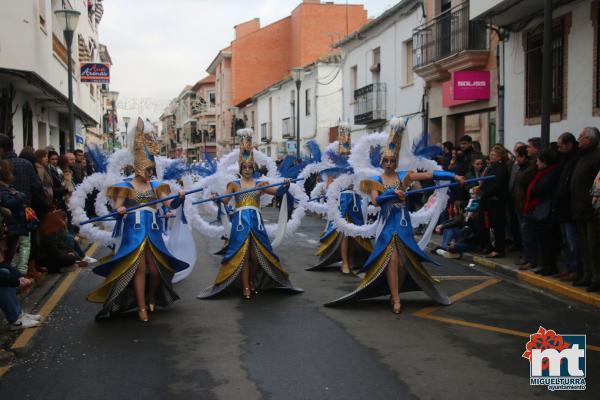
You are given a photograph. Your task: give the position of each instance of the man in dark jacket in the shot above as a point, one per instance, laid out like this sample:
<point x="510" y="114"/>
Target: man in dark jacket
<point x="26" y="179"/>
<point x="561" y="204"/>
<point x="464" y="158"/>
<point x="582" y="179"/>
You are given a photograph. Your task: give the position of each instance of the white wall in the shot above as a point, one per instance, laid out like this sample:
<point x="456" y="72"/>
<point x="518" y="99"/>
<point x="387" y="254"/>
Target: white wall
<point x="580" y="80"/>
<point x="402" y="99"/>
<point x="325" y="107"/>
<point x="25" y="46"/>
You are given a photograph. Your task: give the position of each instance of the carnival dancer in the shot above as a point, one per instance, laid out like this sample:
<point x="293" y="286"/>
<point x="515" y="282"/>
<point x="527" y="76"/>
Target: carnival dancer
<point x="335" y="245"/>
<point x="140" y="272"/>
<point x="395" y="265"/>
<point x="249" y="261"/>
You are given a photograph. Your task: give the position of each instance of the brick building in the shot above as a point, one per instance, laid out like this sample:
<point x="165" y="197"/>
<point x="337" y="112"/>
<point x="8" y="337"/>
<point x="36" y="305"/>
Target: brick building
<point x="261" y="56"/>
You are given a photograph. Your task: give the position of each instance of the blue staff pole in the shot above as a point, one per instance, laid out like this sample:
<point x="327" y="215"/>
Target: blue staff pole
<point x="246" y="191"/>
<point x="114" y="214"/>
<point x="429" y="189"/>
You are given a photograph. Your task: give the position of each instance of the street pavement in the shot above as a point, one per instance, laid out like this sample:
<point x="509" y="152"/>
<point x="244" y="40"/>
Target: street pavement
<point x="283" y="346"/>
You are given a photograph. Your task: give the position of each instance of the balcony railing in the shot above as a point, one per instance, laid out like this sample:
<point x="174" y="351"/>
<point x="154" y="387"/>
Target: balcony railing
<point x="370" y="104"/>
<point x="447" y="34"/>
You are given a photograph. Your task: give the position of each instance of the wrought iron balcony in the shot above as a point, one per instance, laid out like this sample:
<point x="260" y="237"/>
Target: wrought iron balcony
<point x="370" y="104"/>
<point x="447" y="34"/>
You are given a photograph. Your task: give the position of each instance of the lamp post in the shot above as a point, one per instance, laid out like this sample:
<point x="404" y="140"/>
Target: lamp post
<point x="297" y="74"/>
<point x="234" y="111"/>
<point x="126" y="121"/>
<point x="113" y="96"/>
<point x="68" y="22"/>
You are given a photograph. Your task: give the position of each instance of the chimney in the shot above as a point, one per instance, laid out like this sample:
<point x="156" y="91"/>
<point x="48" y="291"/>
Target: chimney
<point x="246" y="28"/>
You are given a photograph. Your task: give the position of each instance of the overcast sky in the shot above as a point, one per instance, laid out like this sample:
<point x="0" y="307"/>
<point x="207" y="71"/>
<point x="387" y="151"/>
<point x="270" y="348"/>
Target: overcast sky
<point x="157" y="46"/>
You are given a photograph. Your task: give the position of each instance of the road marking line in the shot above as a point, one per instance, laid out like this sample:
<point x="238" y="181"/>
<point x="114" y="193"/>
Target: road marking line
<point x="462" y="277"/>
<point x="51" y="303"/>
<point x="427" y="311"/>
<point x="461" y="295"/>
<point x="312" y="241"/>
<point x="301" y="234"/>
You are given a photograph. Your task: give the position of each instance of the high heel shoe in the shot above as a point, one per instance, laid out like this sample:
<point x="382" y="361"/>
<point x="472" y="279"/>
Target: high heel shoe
<point x="143" y="315"/>
<point x="246" y="293"/>
<point x="396" y="307"/>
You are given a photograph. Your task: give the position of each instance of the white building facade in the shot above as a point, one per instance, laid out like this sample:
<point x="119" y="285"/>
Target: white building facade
<point x="320" y="109"/>
<point x="33" y="73"/>
<point x="576" y="73"/>
<point x="377" y="72"/>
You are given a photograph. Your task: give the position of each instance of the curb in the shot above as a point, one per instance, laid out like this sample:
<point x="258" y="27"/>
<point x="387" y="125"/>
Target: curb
<point x="549" y="284"/>
<point x="33" y="300"/>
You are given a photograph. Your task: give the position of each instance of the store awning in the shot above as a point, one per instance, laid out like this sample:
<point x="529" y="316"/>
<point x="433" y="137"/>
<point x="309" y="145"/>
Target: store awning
<point x="511" y="14"/>
<point x="31" y="83"/>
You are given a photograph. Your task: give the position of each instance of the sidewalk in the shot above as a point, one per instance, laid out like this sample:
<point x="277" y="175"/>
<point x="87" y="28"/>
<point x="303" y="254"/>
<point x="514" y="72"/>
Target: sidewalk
<point x="506" y="266"/>
<point x="31" y="302"/>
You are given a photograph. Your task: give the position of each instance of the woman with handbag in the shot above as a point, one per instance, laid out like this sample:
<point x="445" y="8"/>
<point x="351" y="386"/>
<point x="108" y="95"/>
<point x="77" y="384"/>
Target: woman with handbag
<point x="538" y="208"/>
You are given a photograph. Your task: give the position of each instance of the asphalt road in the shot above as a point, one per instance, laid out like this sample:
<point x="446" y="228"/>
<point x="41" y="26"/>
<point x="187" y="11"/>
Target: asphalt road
<point x="282" y="346"/>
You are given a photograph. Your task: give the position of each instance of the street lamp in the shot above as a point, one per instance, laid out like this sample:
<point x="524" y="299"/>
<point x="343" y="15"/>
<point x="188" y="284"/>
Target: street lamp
<point x="298" y="74"/>
<point x="234" y="111"/>
<point x="113" y="96"/>
<point x="68" y="22"/>
<point x="126" y="121"/>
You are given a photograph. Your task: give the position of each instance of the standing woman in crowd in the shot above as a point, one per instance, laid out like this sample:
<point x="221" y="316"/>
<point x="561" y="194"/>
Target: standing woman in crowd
<point x="395" y="265"/>
<point x="58" y="188"/>
<point x="141" y="271"/>
<point x="66" y="176"/>
<point x="539" y="207"/>
<point x="493" y="200"/>
<point x="41" y="166"/>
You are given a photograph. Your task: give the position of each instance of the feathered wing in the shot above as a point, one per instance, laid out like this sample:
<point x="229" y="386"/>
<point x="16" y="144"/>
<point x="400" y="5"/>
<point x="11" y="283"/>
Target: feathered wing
<point x="175" y="170"/>
<point x="98" y="158"/>
<point x="314" y="150"/>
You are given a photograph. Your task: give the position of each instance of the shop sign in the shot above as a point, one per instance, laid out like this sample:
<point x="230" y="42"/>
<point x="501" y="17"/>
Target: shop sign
<point x="471" y="85"/>
<point x="95" y="73"/>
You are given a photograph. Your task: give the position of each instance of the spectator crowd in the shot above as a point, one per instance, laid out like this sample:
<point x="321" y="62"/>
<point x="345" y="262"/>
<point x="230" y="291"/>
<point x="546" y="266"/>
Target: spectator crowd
<point x="536" y="194"/>
<point x="36" y="234"/>
<point x="544" y="202"/>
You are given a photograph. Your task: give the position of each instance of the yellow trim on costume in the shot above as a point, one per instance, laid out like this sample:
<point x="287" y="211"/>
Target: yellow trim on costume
<point x="379" y="264"/>
<point x="233" y="187"/>
<point x="120" y="191"/>
<point x="268" y="255"/>
<point x="248" y="201"/>
<point x="406" y="181"/>
<point x="414" y="260"/>
<point x="228" y="268"/>
<point x="162" y="190"/>
<point x="323" y="246"/>
<point x="100" y="294"/>
<point x="364" y="243"/>
<point x="367" y="185"/>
